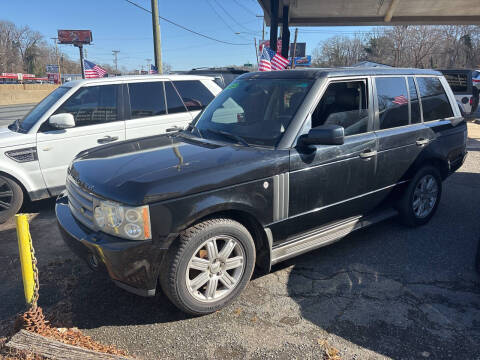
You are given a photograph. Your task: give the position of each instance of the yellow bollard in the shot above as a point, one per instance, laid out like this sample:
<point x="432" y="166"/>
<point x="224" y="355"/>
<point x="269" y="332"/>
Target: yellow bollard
<point x="25" y="247"/>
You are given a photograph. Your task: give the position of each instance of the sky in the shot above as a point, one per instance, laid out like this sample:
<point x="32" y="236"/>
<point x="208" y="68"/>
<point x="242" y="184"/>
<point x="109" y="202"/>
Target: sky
<point x="118" y="25"/>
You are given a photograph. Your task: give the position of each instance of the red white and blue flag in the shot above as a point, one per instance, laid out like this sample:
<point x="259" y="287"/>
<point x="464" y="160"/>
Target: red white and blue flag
<point x="153" y="69"/>
<point x="270" y="60"/>
<point x="92" y="70"/>
<point x="400" y="100"/>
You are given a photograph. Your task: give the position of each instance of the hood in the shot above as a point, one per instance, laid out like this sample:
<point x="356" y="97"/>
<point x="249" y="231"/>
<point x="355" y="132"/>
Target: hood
<point x="11" y="138"/>
<point x="165" y="167"/>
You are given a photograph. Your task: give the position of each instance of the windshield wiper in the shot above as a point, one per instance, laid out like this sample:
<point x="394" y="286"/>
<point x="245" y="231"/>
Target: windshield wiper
<point x="236" y="137"/>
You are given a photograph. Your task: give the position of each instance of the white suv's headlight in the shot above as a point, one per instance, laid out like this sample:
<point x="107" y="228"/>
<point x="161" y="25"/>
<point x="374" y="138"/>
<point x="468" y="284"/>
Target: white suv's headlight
<point x="123" y="221"/>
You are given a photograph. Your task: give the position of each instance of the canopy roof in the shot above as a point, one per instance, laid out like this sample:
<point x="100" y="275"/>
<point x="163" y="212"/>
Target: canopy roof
<point x="376" y="12"/>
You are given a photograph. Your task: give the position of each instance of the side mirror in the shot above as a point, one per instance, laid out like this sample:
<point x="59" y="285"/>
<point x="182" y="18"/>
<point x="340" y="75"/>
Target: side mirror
<point x="62" y="121"/>
<point x="324" y="135"/>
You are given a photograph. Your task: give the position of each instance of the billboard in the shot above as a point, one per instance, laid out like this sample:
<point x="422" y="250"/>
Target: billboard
<point x="74" y="36"/>
<point x="52" y="68"/>
<point x="299" y="50"/>
<point x="267" y="44"/>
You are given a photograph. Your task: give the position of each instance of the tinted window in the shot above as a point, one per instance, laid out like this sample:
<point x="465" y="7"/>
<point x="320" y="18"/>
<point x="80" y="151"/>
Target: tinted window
<point x="415" y="105"/>
<point x="92" y="105"/>
<point x="194" y="94"/>
<point x="435" y="103"/>
<point x="146" y="99"/>
<point x="174" y="103"/>
<point x="344" y="104"/>
<point x="392" y="102"/>
<point x="458" y="82"/>
<point x="258" y="110"/>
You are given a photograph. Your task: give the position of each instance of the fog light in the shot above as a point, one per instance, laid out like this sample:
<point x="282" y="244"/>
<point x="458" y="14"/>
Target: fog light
<point x="93" y="261"/>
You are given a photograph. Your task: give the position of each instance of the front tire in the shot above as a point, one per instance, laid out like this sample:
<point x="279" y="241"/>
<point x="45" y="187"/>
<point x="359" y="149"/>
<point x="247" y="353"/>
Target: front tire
<point x="209" y="266"/>
<point x="421" y="198"/>
<point x="11" y="198"/>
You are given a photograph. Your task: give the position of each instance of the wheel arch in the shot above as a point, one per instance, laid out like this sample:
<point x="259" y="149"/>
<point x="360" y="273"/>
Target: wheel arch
<point x="248" y="219"/>
<point x="26" y="194"/>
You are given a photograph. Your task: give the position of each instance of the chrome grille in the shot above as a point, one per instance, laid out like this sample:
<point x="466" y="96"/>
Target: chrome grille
<point x="80" y="203"/>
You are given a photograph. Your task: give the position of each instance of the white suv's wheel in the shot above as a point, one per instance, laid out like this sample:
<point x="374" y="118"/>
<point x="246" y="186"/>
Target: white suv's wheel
<point x="11" y="198"/>
<point x="209" y="266"/>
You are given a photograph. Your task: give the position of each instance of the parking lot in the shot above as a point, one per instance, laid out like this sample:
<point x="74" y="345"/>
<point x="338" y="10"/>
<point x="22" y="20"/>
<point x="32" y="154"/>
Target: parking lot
<point x="383" y="292"/>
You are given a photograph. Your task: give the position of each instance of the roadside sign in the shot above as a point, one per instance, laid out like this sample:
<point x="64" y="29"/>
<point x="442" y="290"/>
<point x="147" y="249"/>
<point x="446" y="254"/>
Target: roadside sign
<point x="52" y="68"/>
<point x="301" y="60"/>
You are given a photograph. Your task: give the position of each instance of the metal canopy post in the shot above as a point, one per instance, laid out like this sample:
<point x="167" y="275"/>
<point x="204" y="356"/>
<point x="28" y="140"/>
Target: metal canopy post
<point x="285" y="32"/>
<point x="274" y="25"/>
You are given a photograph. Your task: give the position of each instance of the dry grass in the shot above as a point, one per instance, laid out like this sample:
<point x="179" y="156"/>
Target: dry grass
<point x="330" y="353"/>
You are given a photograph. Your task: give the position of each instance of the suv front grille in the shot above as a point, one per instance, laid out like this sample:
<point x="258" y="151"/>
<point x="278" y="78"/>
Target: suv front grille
<point x="80" y="203"/>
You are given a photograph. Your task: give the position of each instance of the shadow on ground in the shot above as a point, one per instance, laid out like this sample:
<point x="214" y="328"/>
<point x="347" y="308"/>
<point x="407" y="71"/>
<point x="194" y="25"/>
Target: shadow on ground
<point x="401" y="292"/>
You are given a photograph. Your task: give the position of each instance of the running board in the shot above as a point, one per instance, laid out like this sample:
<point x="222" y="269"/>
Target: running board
<point x="326" y="235"/>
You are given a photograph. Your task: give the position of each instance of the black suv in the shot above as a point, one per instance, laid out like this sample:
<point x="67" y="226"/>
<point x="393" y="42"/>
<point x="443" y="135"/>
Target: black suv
<point x="278" y="164"/>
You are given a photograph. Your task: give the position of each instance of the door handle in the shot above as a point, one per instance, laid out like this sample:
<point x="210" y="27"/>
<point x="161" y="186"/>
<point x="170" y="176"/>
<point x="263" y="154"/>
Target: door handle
<point x="107" y="139"/>
<point x="422" y="141"/>
<point x="367" y="154"/>
<point x="172" y="129"/>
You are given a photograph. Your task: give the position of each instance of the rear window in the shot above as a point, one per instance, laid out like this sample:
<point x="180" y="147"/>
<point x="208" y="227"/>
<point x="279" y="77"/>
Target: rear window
<point x="458" y="82"/>
<point x="194" y="94"/>
<point x="435" y="102"/>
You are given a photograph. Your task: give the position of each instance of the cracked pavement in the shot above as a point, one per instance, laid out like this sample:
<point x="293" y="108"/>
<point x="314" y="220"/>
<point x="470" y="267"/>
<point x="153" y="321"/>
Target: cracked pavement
<point x="383" y="292"/>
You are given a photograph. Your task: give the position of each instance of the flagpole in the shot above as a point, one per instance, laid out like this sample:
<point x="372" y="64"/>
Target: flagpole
<point x="256" y="51"/>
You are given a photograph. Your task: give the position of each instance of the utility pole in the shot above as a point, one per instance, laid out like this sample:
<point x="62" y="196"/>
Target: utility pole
<point x="157" y="41"/>
<point x="115" y="60"/>
<point x="294" y="48"/>
<point x="58" y="60"/>
<point x="263" y="25"/>
<point x="149" y="62"/>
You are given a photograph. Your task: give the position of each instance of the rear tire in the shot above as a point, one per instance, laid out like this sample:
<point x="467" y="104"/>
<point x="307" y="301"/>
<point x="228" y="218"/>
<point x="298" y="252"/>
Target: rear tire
<point x="421" y="198"/>
<point x="11" y="198"/>
<point x="209" y="266"/>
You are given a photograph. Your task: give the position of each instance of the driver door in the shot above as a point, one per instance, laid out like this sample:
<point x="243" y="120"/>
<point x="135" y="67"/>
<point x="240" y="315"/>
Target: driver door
<point x="98" y="118"/>
<point x="328" y="183"/>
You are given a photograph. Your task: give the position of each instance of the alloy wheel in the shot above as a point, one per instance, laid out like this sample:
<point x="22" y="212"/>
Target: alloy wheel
<point x="6" y="195"/>
<point x="215" y="269"/>
<point x="425" y="196"/>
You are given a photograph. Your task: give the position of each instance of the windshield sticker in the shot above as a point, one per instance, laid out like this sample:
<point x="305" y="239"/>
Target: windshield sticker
<point x="303" y="85"/>
<point x="233" y="85"/>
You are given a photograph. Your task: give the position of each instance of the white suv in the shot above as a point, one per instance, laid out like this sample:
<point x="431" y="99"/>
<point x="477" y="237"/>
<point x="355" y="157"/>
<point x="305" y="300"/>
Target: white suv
<point x="36" y="151"/>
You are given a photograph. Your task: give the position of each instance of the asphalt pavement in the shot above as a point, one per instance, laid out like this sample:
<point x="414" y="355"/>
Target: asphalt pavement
<point x="9" y="113"/>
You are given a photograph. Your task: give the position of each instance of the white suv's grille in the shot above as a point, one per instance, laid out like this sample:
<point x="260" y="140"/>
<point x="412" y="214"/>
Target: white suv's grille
<point x="80" y="203"/>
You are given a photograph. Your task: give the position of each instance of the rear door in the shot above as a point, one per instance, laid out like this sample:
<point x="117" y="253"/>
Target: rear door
<point x="154" y="108"/>
<point x="98" y="114"/>
<point x="399" y="129"/>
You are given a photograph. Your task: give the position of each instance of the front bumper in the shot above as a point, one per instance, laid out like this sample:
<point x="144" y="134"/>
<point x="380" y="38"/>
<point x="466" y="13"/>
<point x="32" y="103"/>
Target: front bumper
<point x="132" y="265"/>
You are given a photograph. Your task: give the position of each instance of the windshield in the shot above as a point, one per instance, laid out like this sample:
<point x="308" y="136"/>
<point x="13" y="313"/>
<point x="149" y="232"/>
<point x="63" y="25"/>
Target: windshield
<point x="256" y="111"/>
<point x="36" y="113"/>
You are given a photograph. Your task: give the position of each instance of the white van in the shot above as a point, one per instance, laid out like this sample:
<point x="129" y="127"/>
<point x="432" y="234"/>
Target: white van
<point x="36" y="150"/>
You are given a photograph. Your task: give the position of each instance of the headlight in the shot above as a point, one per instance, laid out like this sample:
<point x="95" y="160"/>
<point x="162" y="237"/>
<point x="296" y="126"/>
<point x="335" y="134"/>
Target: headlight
<point x="124" y="221"/>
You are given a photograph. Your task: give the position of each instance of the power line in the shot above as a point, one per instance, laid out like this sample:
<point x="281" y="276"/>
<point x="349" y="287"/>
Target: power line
<point x="244" y="7"/>
<point x="234" y="20"/>
<point x="220" y="17"/>
<point x="183" y="27"/>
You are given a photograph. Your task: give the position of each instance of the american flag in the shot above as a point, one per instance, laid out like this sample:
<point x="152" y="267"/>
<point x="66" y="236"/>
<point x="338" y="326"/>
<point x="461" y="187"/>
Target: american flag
<point x="153" y="69"/>
<point x="92" y="70"/>
<point x="400" y="100"/>
<point x="269" y="60"/>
